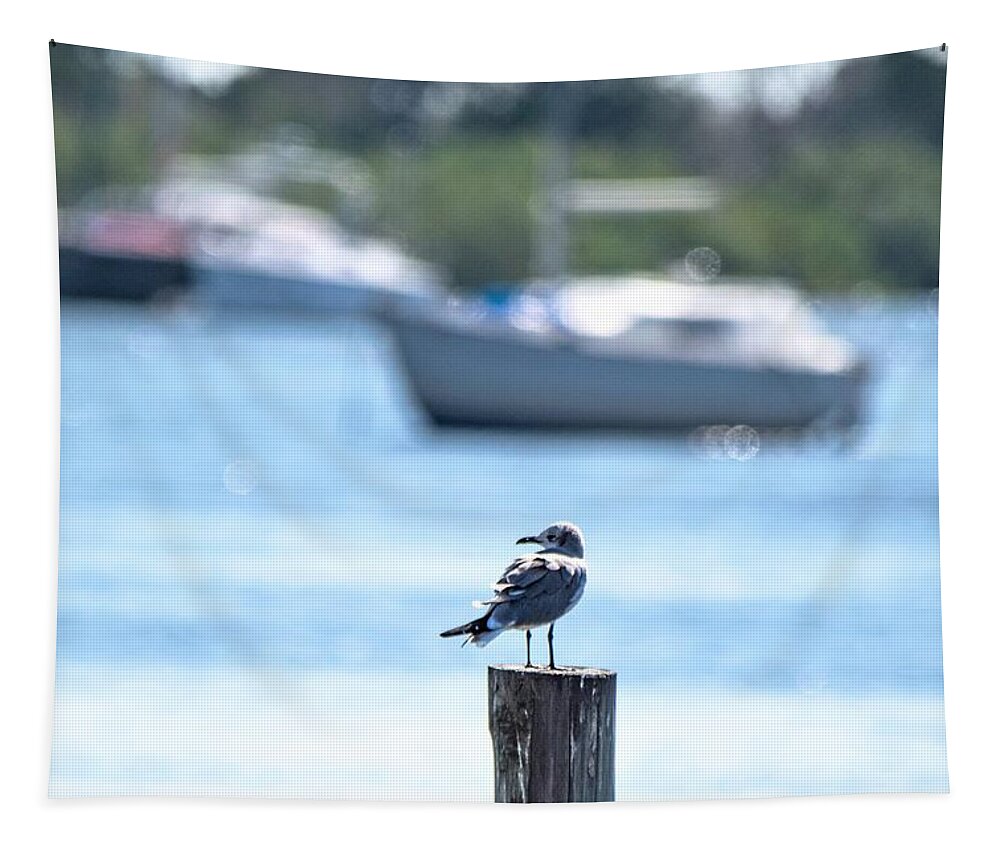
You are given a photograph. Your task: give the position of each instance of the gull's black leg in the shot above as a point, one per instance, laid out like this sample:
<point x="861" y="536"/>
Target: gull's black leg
<point x="552" y="658"/>
<point x="527" y="635"/>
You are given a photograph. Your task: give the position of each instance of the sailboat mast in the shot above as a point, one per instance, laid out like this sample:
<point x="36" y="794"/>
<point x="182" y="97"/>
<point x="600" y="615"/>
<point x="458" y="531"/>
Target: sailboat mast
<point x="552" y="234"/>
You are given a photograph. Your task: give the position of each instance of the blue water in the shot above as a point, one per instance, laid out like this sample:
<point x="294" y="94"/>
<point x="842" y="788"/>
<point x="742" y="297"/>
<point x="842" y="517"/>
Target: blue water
<point x="257" y="526"/>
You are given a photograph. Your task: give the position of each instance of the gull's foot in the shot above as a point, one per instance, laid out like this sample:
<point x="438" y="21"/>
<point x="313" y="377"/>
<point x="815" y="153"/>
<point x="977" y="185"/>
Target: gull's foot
<point x="553" y="668"/>
<point x="529" y="665"/>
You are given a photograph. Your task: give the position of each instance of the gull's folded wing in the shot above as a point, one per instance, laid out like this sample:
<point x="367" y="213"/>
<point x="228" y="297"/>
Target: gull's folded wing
<point x="529" y="577"/>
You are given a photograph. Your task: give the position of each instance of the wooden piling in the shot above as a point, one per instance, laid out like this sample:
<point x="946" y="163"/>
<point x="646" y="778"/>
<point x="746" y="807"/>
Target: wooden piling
<point x="553" y="734"/>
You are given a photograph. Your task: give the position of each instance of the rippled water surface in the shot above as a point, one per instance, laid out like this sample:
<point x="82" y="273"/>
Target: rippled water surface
<point x="260" y="540"/>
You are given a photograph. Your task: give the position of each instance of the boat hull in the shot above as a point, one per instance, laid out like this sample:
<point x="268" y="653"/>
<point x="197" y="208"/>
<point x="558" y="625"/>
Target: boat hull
<point x="90" y="274"/>
<point x="509" y="381"/>
<point x="253" y="290"/>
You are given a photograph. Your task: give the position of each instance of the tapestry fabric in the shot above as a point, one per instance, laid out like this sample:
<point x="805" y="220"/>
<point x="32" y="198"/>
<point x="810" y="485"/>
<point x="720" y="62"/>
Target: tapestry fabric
<point x="647" y="368"/>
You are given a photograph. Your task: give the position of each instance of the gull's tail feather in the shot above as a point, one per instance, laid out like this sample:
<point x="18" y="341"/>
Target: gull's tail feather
<point x="478" y="631"/>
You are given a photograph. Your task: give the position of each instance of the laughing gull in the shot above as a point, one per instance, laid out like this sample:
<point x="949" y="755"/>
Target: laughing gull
<point x="534" y="590"/>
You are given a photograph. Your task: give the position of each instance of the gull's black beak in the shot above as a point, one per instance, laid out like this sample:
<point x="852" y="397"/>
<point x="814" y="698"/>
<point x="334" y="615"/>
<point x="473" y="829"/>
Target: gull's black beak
<point x="531" y="539"/>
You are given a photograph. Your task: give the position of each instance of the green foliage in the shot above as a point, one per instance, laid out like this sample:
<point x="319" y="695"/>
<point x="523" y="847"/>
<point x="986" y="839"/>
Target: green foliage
<point x="320" y="196"/>
<point x="464" y="204"/>
<point x="833" y="216"/>
<point x="845" y="190"/>
<point x="605" y="161"/>
<point x="91" y="155"/>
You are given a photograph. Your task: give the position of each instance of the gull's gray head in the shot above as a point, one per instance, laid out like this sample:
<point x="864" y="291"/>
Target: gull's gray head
<point x="558" y="536"/>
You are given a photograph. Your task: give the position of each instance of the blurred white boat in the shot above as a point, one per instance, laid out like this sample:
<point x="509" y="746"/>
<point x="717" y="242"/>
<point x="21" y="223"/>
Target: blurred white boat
<point x="231" y="248"/>
<point x="257" y="253"/>
<point x="120" y="253"/>
<point x="632" y="355"/>
<point x="115" y="244"/>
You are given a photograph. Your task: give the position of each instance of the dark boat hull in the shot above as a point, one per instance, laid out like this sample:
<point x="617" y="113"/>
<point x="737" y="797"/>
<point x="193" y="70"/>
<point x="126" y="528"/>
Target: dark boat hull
<point x="88" y="274"/>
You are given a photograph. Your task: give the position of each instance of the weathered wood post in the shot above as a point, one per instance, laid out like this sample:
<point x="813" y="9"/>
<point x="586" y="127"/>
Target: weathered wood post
<point x="553" y="734"/>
